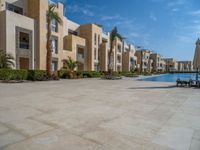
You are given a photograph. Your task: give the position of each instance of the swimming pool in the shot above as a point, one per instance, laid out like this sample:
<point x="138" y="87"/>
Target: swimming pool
<point x="170" y="77"/>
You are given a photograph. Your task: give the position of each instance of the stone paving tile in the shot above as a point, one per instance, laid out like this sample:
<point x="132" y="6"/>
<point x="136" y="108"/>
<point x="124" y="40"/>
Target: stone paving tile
<point x="175" y="137"/>
<point x="185" y="120"/>
<point x="3" y="128"/>
<point x="53" y="140"/>
<point x="17" y="113"/>
<point x="196" y="134"/>
<point x="135" y="127"/>
<point x="10" y="138"/>
<point x="195" y="145"/>
<point x="29" y="127"/>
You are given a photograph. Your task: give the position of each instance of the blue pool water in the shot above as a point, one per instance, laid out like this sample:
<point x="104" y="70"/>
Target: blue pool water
<point x="170" y="77"/>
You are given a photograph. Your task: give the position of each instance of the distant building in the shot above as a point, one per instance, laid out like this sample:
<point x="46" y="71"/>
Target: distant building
<point x="171" y="64"/>
<point x="144" y="61"/>
<point x="185" y="65"/>
<point x="129" y="60"/>
<point x="158" y="62"/>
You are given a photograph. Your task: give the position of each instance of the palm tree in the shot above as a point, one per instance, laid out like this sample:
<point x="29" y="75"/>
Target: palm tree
<point x="71" y="66"/>
<point x="51" y="15"/>
<point x="6" y="60"/>
<point x="113" y="36"/>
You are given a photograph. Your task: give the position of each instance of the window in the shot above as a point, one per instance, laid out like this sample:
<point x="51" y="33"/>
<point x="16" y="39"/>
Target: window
<point x="71" y="32"/>
<point x="96" y="67"/>
<point x="119" y="48"/>
<point x="54" y="45"/>
<point x="14" y="8"/>
<point x="54" y="26"/>
<point x="118" y="59"/>
<point x="54" y="65"/>
<point x="98" y="39"/>
<point x="23" y="40"/>
<point x="95" y="53"/>
<point x="95" y="39"/>
<point x="118" y="68"/>
<point x="132" y="61"/>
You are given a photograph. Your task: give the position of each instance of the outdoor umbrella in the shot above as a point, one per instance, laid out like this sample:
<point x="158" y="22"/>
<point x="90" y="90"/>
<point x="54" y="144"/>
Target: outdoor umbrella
<point x="196" y="61"/>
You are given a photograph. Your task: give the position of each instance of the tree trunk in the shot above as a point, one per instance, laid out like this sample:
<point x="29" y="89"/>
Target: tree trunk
<point x="48" y="46"/>
<point x="141" y="66"/>
<point x="110" y="69"/>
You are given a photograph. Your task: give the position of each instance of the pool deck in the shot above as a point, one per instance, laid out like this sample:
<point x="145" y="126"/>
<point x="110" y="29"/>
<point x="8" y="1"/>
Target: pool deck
<point x="93" y="114"/>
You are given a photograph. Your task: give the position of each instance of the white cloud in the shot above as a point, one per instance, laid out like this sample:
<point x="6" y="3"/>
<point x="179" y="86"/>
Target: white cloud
<point x="176" y="3"/>
<point x="195" y="13"/>
<point x="153" y="17"/>
<point x="86" y="10"/>
<point x="175" y="9"/>
<point x="106" y="18"/>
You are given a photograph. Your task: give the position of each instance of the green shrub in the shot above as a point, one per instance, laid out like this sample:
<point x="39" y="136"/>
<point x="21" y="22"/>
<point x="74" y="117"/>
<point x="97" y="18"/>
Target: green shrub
<point x="37" y="75"/>
<point x="128" y="74"/>
<point x="91" y="74"/>
<point x="8" y="74"/>
<point x="63" y="74"/>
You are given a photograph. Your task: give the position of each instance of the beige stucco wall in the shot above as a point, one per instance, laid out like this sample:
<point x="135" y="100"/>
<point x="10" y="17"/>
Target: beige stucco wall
<point x="88" y="32"/>
<point x="118" y="54"/>
<point x="145" y="59"/>
<point x="38" y="12"/>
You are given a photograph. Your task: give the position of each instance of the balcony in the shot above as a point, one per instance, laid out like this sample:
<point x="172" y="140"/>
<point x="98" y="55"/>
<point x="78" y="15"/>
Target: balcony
<point x="24" y="45"/>
<point x="105" y="36"/>
<point x="80" y="58"/>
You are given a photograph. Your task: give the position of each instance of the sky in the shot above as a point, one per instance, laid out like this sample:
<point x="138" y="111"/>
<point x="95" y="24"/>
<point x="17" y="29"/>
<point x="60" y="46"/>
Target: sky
<point x="168" y="27"/>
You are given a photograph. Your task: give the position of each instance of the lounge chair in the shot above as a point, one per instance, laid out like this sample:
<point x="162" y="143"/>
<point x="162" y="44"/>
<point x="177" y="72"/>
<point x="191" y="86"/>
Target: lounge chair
<point x="183" y="83"/>
<point x="194" y="83"/>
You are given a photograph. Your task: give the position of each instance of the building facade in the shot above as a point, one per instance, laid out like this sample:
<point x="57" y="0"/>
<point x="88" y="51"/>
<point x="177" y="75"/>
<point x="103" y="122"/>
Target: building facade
<point x="185" y="65"/>
<point x="171" y="64"/>
<point x="158" y="63"/>
<point x="129" y="60"/>
<point x="145" y="63"/>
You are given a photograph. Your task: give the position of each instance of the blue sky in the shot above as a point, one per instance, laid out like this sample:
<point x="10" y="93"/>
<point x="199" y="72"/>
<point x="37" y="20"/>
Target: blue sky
<point x="169" y="27"/>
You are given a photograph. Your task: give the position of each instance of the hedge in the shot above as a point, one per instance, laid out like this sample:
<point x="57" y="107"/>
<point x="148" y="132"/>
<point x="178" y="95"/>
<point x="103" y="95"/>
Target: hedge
<point x="37" y="75"/>
<point x="128" y="74"/>
<point x="8" y="74"/>
<point x="91" y="74"/>
<point x="33" y="75"/>
<point x="79" y="74"/>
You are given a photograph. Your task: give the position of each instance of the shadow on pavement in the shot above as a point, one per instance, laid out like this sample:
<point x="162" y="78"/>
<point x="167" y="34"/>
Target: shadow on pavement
<point x="155" y="87"/>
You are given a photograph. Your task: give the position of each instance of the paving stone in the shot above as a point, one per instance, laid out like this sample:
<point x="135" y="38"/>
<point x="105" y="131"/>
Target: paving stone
<point x="195" y="145"/>
<point x="29" y="127"/>
<point x="10" y="138"/>
<point x="3" y="129"/>
<point x="52" y="140"/>
<point x="174" y="137"/>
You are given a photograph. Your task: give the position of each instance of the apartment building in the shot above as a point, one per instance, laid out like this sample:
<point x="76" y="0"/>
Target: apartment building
<point x="23" y="34"/>
<point x="171" y="64"/>
<point x="158" y="62"/>
<point x="129" y="60"/>
<point x="185" y="65"/>
<point x="144" y="61"/>
<point x="17" y="32"/>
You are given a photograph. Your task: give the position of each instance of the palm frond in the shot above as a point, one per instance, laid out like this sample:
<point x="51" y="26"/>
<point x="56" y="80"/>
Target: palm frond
<point x="6" y="60"/>
<point x="114" y="34"/>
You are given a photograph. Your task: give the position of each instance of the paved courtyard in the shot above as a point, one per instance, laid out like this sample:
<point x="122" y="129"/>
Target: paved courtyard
<point x="99" y="115"/>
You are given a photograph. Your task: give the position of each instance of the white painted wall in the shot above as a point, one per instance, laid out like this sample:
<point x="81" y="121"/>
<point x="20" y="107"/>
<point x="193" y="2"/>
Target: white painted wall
<point x="19" y="3"/>
<point x="13" y="20"/>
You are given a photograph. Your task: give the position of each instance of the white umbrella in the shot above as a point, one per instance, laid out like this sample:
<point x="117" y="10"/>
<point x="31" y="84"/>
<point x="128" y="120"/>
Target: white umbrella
<point x="196" y="61"/>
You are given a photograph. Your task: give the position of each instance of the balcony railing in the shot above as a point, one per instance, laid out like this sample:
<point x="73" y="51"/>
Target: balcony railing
<point x="80" y="58"/>
<point x="24" y="45"/>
